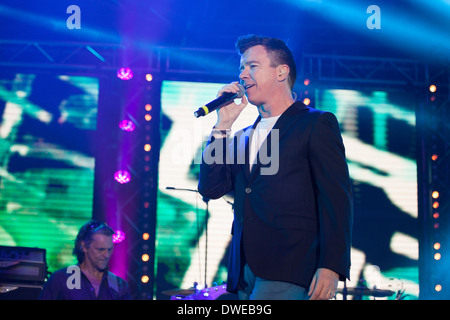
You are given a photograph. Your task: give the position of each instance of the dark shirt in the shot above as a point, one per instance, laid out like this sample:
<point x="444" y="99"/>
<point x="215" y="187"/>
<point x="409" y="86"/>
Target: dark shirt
<point x="60" y="287"/>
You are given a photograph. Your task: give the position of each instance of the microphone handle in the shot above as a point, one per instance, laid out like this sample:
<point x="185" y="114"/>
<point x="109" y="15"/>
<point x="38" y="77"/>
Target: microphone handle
<point x="215" y="104"/>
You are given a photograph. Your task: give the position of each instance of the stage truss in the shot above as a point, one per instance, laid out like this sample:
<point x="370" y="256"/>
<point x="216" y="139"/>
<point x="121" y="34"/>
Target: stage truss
<point x="324" y="70"/>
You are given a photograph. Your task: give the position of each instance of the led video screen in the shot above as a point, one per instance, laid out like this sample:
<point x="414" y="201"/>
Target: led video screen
<point x="47" y="161"/>
<point x="378" y="129"/>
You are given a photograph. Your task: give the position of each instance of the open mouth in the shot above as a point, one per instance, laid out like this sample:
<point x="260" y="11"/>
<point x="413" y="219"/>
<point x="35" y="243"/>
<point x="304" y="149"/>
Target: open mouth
<point x="248" y="86"/>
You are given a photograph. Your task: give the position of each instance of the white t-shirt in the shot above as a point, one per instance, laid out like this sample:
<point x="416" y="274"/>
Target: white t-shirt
<point x="261" y="132"/>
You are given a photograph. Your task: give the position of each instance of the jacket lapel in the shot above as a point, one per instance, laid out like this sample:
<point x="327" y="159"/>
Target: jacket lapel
<point x="248" y="137"/>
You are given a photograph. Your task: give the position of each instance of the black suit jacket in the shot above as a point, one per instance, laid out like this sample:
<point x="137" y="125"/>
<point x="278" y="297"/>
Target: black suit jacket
<point x="290" y="221"/>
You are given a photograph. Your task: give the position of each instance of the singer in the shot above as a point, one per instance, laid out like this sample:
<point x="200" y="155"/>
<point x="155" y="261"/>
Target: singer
<point x="292" y="228"/>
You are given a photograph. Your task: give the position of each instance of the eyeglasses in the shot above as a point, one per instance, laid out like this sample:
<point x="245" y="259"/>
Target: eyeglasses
<point x="95" y="226"/>
<point x="92" y="226"/>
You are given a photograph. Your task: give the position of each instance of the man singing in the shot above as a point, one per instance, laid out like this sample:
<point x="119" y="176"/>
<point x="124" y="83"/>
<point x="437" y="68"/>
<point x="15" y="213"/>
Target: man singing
<point x="292" y="226"/>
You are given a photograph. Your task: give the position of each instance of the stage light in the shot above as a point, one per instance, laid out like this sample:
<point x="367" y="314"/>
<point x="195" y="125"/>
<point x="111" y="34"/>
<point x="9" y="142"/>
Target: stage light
<point x="127" y="125"/>
<point x="145" y="236"/>
<point x="145" y="279"/>
<point x="122" y="176"/>
<point x="148" y="117"/>
<point x="306" y="101"/>
<point x="145" y="257"/>
<point x="434" y="157"/>
<point x="438" y="287"/>
<point x="118" y="237"/>
<point x="147" y="147"/>
<point x="437" y="256"/>
<point x="435" y="194"/>
<point x="435" y="205"/>
<point x="437" y="246"/>
<point x="148" y="77"/>
<point x="148" y="107"/>
<point x="432" y="88"/>
<point x="124" y="73"/>
<point x="306" y="82"/>
<point x="436" y="215"/>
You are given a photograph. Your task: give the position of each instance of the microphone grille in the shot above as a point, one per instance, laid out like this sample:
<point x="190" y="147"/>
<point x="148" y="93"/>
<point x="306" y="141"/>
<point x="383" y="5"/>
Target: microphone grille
<point x="241" y="91"/>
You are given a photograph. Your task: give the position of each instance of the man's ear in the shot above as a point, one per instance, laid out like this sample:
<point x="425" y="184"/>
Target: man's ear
<point x="283" y="72"/>
<point x="83" y="246"/>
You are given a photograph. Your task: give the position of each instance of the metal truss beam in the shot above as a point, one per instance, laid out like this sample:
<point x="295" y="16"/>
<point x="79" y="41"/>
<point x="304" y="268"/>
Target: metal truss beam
<point x="57" y="55"/>
<point x="193" y="62"/>
<point x="103" y="57"/>
<point x="363" y="70"/>
<point x="434" y="188"/>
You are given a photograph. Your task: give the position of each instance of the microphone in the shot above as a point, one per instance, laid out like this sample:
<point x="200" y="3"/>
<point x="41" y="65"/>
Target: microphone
<point x="220" y="101"/>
